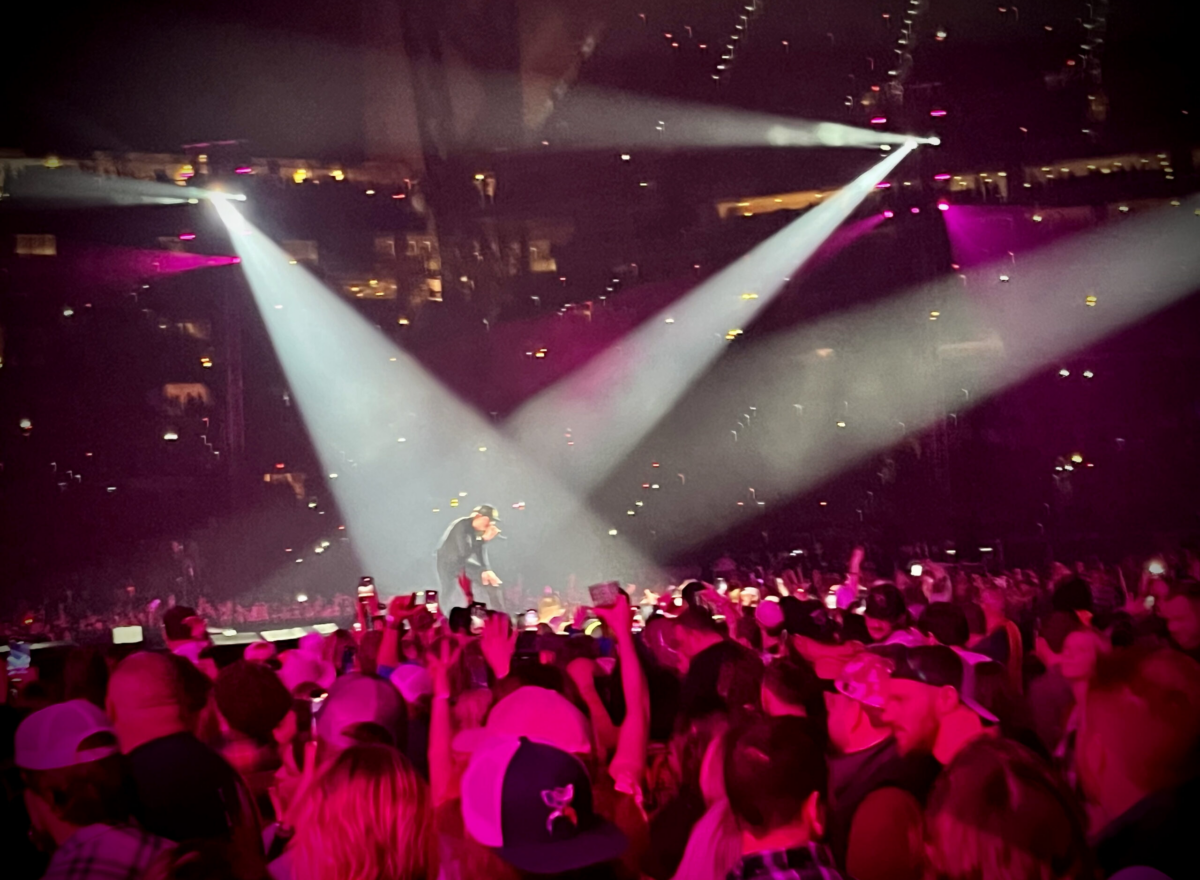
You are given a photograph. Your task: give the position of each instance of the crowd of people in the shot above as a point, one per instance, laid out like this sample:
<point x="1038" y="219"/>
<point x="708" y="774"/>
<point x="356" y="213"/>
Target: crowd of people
<point x="65" y="623"/>
<point x="937" y="722"/>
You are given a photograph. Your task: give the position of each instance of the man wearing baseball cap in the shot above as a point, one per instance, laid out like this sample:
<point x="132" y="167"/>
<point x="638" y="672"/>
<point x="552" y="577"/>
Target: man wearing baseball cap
<point x="183" y="628"/>
<point x="76" y="794"/>
<point x="463" y="551"/>
<point x="531" y="804"/>
<point x="930" y="702"/>
<point x="887" y="617"/>
<point x="875" y="795"/>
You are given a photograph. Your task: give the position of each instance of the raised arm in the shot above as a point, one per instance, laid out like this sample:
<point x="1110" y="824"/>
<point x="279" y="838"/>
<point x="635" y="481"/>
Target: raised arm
<point x="583" y="672"/>
<point x="441" y="661"/>
<point x="628" y="766"/>
<point x="389" y="649"/>
<point x="855" y="569"/>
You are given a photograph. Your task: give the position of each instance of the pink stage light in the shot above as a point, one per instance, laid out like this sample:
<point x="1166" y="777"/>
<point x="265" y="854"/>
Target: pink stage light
<point x="878" y="120"/>
<point x="915" y="210"/>
<point x="243" y="169"/>
<point x="124" y="266"/>
<point x="943" y="206"/>
<point x="882" y="185"/>
<point x="937" y="112"/>
<point x="941" y="177"/>
<point x="888" y="215"/>
<point x="187" y="236"/>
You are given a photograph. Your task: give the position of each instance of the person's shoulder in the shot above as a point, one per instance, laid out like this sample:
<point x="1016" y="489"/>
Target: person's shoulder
<point x="726" y="649"/>
<point x="183" y="752"/>
<point x="160" y="749"/>
<point x="889" y="804"/>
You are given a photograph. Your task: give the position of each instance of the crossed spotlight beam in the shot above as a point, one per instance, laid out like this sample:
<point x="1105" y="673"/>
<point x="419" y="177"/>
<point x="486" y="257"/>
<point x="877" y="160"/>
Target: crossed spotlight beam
<point x="595" y="118"/>
<point x="397" y="440"/>
<point x="617" y="398"/>
<point x="590" y="119"/>
<point x="70" y="187"/>
<point x="1007" y="321"/>
<point x="396" y="443"/>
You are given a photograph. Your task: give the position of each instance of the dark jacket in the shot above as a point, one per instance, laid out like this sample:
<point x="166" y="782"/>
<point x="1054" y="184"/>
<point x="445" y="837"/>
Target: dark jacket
<point x="462" y="548"/>
<point x="853" y="777"/>
<point x="1156" y="832"/>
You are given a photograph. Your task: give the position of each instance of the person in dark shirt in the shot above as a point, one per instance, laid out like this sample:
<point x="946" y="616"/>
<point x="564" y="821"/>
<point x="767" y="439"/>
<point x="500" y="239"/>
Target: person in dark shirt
<point x="463" y="550"/>
<point x="775" y="778"/>
<point x="721" y="675"/>
<point x="1180" y="609"/>
<point x="1136" y="757"/>
<point x="875" y="795"/>
<point x="183" y="789"/>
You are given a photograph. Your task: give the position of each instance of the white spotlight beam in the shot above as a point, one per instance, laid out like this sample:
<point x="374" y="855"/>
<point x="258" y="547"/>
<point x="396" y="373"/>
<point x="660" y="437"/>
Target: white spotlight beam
<point x="73" y="188"/>
<point x="882" y="383"/>
<point x="595" y="118"/>
<point x="612" y="402"/>
<point x="396" y="444"/>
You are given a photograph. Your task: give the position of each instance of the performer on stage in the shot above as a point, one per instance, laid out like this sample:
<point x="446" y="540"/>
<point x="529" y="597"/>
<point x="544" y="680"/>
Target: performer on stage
<point x="464" y="549"/>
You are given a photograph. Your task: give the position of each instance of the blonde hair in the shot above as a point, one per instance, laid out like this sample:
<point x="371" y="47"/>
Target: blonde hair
<point x="367" y="816"/>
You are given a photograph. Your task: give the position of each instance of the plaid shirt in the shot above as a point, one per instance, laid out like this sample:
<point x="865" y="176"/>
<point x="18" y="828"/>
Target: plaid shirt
<point x="105" y="852"/>
<point x="811" y="862"/>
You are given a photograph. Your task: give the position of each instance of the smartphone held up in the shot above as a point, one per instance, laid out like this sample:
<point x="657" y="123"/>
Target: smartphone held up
<point x="604" y="595"/>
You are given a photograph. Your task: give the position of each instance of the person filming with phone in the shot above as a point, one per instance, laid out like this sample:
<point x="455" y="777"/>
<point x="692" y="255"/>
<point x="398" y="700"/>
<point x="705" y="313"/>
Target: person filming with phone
<point x="463" y="551"/>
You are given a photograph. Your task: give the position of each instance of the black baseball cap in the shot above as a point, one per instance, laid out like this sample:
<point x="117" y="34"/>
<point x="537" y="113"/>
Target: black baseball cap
<point x="251" y="698"/>
<point x="531" y="804"/>
<point x="811" y="619"/>
<point x="947" y="623"/>
<point x="1074" y="594"/>
<point x="939" y="666"/>
<point x="885" y="602"/>
<point x="175" y="621"/>
<point x="486" y="510"/>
